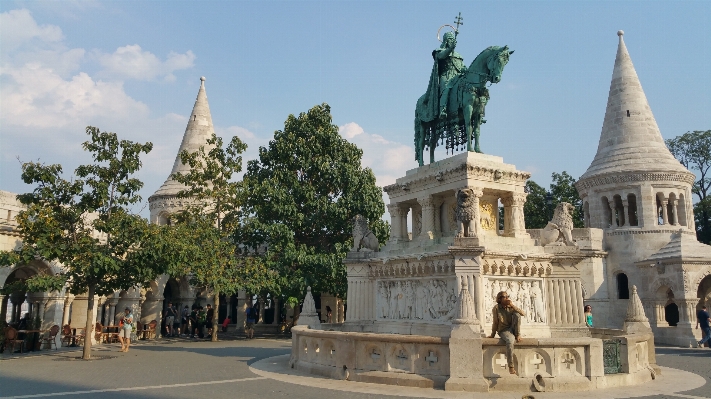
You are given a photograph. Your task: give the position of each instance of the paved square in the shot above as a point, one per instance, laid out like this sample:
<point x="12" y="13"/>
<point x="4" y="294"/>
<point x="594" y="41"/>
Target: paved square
<point x="186" y="369"/>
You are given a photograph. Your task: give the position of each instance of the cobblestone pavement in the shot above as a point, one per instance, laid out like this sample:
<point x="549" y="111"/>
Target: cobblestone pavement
<point x="185" y="369"/>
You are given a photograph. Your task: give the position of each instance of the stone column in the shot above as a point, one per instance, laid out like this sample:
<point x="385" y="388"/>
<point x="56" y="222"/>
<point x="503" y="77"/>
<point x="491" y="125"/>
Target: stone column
<point x="17" y="300"/>
<point x="437" y="203"/>
<point x="3" y="307"/>
<point x="67" y="309"/>
<point x="665" y="217"/>
<point x="625" y="209"/>
<point x="403" y="222"/>
<point x="275" y="305"/>
<point x="395" y="222"/>
<point x="110" y="311"/>
<point x="261" y="310"/>
<point x="514" y="219"/>
<point x="611" y="204"/>
<point x="242" y="303"/>
<point x="428" y="217"/>
<point x="674" y="216"/>
<point x="341" y="311"/>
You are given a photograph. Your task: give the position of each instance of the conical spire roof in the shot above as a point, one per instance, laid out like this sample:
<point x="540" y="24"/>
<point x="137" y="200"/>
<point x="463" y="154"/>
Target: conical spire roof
<point x="630" y="140"/>
<point x="197" y="132"/>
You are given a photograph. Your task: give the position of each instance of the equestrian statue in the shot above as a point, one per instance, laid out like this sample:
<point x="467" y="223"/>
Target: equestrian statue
<point x="452" y="109"/>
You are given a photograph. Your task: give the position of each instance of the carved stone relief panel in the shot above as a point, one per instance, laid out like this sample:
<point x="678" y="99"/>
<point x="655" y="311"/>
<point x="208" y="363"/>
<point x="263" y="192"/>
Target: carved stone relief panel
<point x="488" y="216"/>
<point x="526" y="294"/>
<point x="416" y="299"/>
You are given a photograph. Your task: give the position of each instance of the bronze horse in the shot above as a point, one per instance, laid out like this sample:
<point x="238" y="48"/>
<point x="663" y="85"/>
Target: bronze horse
<point x="465" y="106"/>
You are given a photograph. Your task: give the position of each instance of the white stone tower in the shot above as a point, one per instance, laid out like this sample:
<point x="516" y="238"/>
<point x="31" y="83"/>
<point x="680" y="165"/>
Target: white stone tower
<point x="164" y="202"/>
<point x="640" y="195"/>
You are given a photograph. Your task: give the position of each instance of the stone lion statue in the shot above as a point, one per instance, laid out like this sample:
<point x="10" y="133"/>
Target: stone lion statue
<point x="466" y="214"/>
<point x="363" y="237"/>
<point x="560" y="228"/>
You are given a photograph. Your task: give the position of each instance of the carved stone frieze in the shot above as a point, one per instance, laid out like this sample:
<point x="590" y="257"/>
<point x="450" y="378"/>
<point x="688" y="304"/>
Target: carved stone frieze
<point x="514" y="268"/>
<point x="526" y="293"/>
<point x="424" y="268"/>
<point x="455" y="173"/>
<point x="416" y="299"/>
<point x="687" y="178"/>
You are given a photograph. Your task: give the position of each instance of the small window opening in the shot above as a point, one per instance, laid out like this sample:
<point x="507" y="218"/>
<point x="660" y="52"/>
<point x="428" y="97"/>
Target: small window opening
<point x="623" y="291"/>
<point x="195" y="116"/>
<point x="628" y="113"/>
<point x="9" y="215"/>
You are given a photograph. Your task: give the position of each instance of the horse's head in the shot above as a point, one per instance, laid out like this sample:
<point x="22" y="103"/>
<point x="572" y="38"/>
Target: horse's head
<point x="496" y="63"/>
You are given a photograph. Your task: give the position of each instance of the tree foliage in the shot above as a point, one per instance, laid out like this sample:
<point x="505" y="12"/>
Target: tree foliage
<point x="540" y="203"/>
<point x="85" y="223"/>
<point x="205" y="249"/>
<point x="305" y="189"/>
<point x="693" y="150"/>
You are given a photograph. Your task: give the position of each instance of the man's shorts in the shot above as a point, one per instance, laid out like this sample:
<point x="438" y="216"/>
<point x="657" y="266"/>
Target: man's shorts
<point x="125" y="332"/>
<point x="169" y="320"/>
<point x="249" y="326"/>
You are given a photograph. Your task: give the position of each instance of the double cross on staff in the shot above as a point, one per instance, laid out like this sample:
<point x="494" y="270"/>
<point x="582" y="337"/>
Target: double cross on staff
<point x="458" y="21"/>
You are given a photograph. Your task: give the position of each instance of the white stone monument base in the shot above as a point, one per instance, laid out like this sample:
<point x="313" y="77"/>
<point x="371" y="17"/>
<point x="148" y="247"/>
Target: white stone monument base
<point x="544" y="364"/>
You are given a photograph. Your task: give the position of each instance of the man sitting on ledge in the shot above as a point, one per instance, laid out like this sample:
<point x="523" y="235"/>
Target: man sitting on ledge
<point x="507" y="322"/>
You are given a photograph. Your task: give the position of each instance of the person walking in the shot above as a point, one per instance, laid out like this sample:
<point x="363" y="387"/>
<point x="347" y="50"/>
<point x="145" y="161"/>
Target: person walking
<point x="507" y="323"/>
<point x="201" y="316"/>
<point x="193" y="321"/>
<point x="208" y="319"/>
<point x="184" y="319"/>
<point x="702" y="320"/>
<point x="588" y="316"/>
<point x="126" y="328"/>
<point x="252" y="315"/>
<point x="169" y="319"/>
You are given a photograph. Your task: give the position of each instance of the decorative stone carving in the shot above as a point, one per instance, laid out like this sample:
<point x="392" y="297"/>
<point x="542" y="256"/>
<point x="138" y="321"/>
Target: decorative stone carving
<point x="561" y="227"/>
<point x="487" y="217"/>
<point x="363" y="237"/>
<point x="415" y="300"/>
<point x="308" y="316"/>
<point x="527" y="293"/>
<point x="465" y="310"/>
<point x="635" y="321"/>
<point x="467" y="212"/>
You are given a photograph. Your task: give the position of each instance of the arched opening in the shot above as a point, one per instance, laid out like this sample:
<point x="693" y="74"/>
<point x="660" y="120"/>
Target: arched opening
<point x="672" y="215"/>
<point x="171" y="295"/>
<point x="586" y="214"/>
<point x="661" y="209"/>
<point x="632" y="210"/>
<point x="703" y="292"/>
<point x="18" y="302"/>
<point x="671" y="314"/>
<point x="607" y="211"/>
<point x="623" y="291"/>
<point x="681" y="209"/>
<point x="619" y="213"/>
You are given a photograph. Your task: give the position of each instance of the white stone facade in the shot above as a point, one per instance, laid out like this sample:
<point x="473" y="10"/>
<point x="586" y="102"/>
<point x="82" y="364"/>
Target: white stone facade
<point x="640" y="196"/>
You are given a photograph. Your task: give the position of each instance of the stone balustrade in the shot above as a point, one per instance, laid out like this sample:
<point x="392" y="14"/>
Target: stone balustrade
<point x="550" y="364"/>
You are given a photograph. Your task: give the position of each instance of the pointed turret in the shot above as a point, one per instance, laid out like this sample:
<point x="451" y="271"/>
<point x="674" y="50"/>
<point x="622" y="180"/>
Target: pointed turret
<point x="198" y="131"/>
<point x="630" y="139"/>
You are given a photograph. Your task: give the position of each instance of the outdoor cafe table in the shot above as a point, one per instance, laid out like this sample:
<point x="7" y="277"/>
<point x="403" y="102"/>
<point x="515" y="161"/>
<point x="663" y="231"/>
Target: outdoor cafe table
<point x="33" y="340"/>
<point x="74" y="335"/>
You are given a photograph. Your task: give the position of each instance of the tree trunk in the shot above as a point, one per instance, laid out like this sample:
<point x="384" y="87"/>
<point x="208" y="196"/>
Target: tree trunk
<point x="215" y="315"/>
<point x="89" y="331"/>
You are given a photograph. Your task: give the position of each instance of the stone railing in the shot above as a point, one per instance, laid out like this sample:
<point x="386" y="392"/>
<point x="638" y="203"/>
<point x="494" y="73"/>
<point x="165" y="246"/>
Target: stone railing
<point x="546" y="364"/>
<point x="412" y="360"/>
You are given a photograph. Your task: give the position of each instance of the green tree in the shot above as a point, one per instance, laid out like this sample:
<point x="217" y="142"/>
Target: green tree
<point x="85" y="223"/>
<point x="536" y="211"/>
<point x="540" y="203"/>
<point x="693" y="150"/>
<point x="204" y="234"/>
<point x="304" y="191"/>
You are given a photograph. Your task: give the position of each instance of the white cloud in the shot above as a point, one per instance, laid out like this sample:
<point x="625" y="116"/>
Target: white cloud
<point x="133" y="62"/>
<point x="18" y="27"/>
<point x="228" y="132"/>
<point x="350" y="130"/>
<point x="38" y="97"/>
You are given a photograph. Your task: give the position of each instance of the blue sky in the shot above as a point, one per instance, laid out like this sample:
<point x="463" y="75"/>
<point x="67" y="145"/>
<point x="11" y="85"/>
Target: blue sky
<point x="134" y="68"/>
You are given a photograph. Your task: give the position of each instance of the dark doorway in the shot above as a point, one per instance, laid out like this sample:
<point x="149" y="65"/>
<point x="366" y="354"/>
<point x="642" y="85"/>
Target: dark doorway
<point x="623" y="290"/>
<point x="671" y="314"/>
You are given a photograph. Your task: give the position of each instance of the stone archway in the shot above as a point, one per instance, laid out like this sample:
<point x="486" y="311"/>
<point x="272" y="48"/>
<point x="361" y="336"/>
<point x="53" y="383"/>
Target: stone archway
<point x="45" y="305"/>
<point x="703" y="292"/>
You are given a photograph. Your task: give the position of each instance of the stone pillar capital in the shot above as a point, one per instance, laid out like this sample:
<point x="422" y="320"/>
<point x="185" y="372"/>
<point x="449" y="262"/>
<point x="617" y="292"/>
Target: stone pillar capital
<point x="426" y="202"/>
<point x="397" y="210"/>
